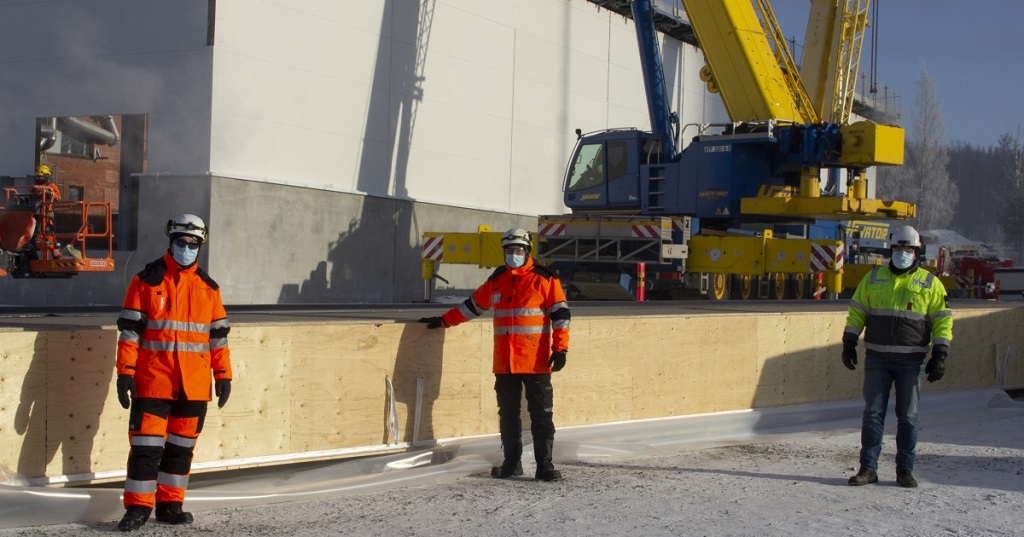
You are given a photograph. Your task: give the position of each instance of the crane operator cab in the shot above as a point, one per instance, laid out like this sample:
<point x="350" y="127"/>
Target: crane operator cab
<point x="602" y="173"/>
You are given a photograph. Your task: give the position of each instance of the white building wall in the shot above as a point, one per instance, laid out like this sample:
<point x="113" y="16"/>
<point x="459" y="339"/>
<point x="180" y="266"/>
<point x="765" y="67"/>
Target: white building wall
<point x="337" y="131"/>
<point x="469" y="104"/>
<point x="99" y="57"/>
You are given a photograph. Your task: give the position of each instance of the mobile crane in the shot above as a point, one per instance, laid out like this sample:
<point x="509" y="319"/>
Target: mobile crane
<point x="741" y="206"/>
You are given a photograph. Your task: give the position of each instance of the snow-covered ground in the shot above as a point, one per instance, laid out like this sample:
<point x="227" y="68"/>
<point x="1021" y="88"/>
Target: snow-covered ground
<point x="732" y="474"/>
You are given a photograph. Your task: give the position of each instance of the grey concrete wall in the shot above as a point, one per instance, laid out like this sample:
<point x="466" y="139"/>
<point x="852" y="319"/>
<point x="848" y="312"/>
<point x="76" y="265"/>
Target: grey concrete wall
<point x="276" y="244"/>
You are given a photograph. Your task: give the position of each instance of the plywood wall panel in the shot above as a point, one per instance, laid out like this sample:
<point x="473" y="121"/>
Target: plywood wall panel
<point x="306" y="388"/>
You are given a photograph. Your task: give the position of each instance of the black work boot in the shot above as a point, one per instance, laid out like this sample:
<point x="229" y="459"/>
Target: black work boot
<point x="171" y="513"/>
<point x="135" y="517"/>
<point x="507" y="469"/>
<point x="865" y="476"/>
<point x="548" y="474"/>
<point x="905" y="478"/>
<point x="513" y="448"/>
<point x="542" y="450"/>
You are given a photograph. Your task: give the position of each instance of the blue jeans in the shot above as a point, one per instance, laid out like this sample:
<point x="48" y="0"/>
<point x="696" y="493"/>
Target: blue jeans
<point x="879" y="377"/>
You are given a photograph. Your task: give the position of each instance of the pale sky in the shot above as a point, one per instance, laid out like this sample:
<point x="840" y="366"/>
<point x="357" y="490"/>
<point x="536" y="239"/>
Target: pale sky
<point x="974" y="51"/>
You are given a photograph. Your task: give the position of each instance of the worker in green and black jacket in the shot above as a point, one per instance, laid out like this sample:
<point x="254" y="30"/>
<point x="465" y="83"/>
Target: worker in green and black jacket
<point x="901" y="308"/>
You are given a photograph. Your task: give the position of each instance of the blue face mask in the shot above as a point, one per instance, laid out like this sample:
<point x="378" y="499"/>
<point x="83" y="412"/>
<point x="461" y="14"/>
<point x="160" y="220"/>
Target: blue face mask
<point x="515" y="260"/>
<point x="902" y="260"/>
<point x="183" y="255"/>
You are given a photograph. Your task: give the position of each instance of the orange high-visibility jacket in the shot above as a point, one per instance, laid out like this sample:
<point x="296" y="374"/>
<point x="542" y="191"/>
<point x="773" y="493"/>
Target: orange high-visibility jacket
<point x="531" y="317"/>
<point x="173" y="332"/>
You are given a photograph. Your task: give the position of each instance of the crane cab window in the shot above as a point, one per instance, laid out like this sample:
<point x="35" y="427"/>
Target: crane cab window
<point x="596" y="164"/>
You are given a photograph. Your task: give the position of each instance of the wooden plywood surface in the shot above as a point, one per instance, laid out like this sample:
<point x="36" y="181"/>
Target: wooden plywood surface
<point x="319" y="387"/>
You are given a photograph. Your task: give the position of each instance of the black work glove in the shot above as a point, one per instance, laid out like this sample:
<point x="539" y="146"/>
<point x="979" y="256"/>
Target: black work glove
<point x="557" y="361"/>
<point x="222" y="389"/>
<point x="936" y="366"/>
<point x="125" y="384"/>
<point x="433" y="322"/>
<point x="850" y="354"/>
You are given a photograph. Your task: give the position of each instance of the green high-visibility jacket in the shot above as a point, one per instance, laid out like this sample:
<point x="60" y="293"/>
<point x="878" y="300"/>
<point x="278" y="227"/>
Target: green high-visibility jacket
<point x="901" y="315"/>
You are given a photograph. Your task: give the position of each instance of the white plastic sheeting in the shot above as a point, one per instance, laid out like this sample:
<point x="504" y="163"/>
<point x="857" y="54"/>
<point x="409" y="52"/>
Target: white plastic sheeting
<point x="23" y="506"/>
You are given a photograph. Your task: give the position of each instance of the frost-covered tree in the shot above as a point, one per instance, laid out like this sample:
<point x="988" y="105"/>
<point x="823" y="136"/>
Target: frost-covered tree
<point x="924" y="177"/>
<point x="1012" y="218"/>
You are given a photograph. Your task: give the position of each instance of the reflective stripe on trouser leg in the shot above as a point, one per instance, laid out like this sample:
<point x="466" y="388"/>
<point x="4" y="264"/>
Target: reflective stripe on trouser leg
<point x="183" y="429"/>
<point x="147" y="429"/>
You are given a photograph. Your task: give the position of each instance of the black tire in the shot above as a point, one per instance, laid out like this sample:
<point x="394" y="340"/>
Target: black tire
<point x="779" y="286"/>
<point x="743" y="286"/>
<point x="801" y="286"/>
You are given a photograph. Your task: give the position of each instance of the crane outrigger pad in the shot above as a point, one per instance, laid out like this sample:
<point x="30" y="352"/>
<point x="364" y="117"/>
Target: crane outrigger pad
<point x="829" y="208"/>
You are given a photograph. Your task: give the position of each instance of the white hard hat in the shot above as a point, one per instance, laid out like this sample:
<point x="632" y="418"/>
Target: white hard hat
<point x="516" y="237"/>
<point x="905" y="236"/>
<point x="187" y="224"/>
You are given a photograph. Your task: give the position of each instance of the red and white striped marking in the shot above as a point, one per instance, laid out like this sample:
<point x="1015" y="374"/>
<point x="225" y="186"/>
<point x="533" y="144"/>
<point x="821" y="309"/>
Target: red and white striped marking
<point x="433" y="248"/>
<point x="646" y="231"/>
<point x="551" y="229"/>
<point x="826" y="257"/>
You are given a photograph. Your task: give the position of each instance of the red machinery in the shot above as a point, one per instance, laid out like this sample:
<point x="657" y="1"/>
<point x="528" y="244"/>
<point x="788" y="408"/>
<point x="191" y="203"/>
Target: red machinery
<point x="41" y="236"/>
<point x="973" y="271"/>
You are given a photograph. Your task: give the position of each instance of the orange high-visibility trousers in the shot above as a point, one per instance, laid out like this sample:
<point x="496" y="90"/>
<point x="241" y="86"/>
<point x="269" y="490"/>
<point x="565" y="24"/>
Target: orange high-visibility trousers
<point x="163" y="435"/>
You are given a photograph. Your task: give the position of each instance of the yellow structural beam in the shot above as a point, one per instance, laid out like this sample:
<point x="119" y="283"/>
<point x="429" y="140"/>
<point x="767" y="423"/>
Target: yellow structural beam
<point x="482" y="248"/>
<point x="829" y="208"/>
<point x="744" y="67"/>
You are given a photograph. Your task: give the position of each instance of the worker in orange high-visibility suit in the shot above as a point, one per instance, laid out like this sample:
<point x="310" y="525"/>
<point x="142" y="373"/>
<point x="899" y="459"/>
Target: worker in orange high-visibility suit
<point x="173" y="346"/>
<point x="531" y="339"/>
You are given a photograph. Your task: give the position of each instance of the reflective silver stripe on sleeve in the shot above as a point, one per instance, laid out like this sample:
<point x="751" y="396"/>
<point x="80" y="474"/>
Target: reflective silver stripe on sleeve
<point x="171" y="480"/>
<point x="218" y="342"/>
<point x="943" y="313"/>
<point x="563" y="323"/>
<point x="128" y="335"/>
<point x="147" y="440"/>
<point x="182" y="441"/>
<point x="852" y="330"/>
<point x="139" y="487"/>
<point x="132" y="315"/>
<point x="941" y="341"/>
<point x="220" y="323"/>
<point x="858" y="306"/>
<point x="467" y="312"/>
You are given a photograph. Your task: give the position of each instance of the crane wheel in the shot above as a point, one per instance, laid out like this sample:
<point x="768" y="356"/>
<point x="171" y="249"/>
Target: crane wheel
<point x="779" y="286"/>
<point x="719" y="288"/>
<point x="743" y="287"/>
<point x="801" y="286"/>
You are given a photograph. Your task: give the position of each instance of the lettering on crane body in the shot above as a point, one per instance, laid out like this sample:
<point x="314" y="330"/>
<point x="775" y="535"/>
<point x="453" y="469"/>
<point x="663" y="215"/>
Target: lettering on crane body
<point x="776" y="191"/>
<point x="871" y="230"/>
